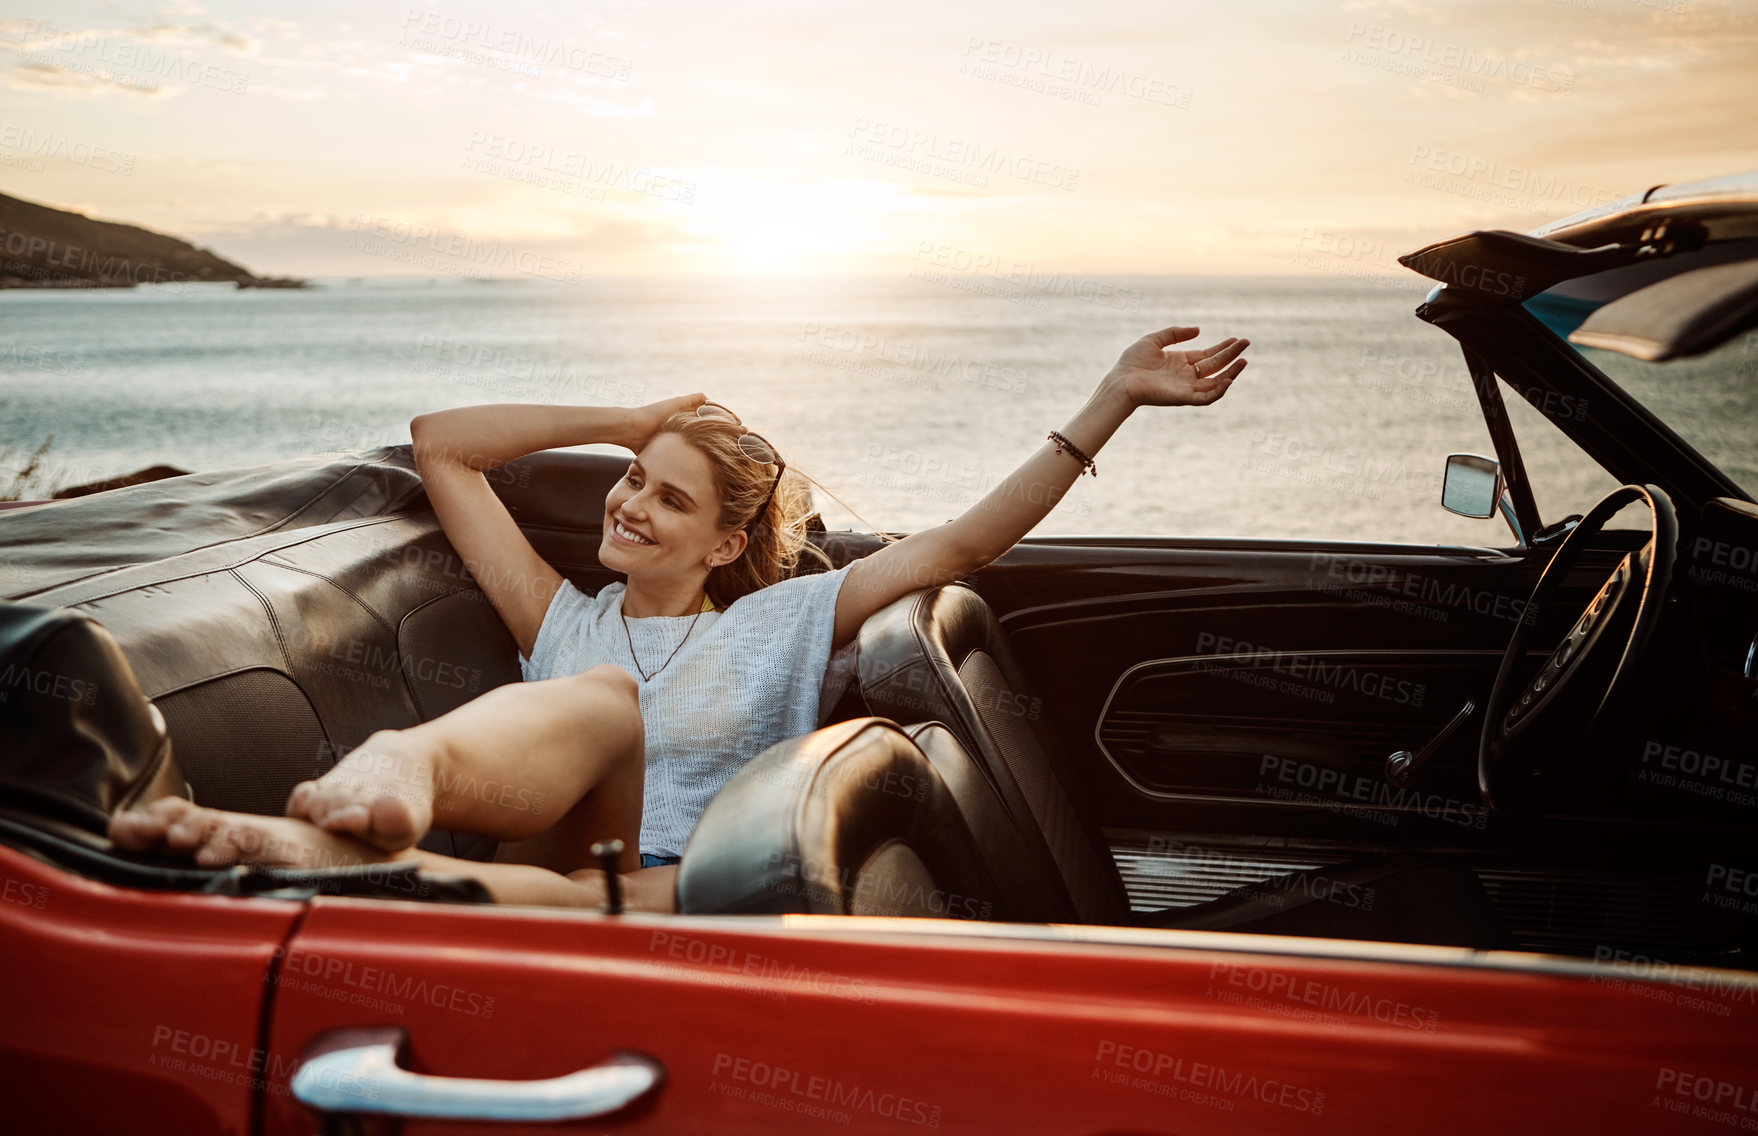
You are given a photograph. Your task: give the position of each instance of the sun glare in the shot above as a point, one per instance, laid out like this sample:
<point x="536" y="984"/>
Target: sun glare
<point x="778" y="227"/>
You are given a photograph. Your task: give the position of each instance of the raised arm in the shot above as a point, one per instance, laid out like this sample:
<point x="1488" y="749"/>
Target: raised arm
<point x="1150" y="372"/>
<point x="453" y="448"/>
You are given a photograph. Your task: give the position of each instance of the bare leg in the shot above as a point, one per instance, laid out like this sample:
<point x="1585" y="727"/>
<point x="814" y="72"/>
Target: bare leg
<point x="213" y="837"/>
<point x="644" y="889"/>
<point x="612" y="810"/>
<point x="510" y="765"/>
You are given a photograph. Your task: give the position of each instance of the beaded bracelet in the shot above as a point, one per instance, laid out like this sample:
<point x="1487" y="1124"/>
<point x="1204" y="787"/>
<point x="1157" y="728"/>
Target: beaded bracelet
<point x="1063" y="445"/>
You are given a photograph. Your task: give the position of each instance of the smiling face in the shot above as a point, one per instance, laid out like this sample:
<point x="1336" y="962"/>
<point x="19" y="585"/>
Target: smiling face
<point x="662" y="520"/>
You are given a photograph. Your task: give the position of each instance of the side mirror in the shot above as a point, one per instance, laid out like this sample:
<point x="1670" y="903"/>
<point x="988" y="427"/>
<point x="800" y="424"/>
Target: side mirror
<point x="1473" y="485"/>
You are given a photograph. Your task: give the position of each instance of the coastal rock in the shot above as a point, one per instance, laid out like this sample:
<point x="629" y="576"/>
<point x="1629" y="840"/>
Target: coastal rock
<point x="138" y="477"/>
<point x="41" y="247"/>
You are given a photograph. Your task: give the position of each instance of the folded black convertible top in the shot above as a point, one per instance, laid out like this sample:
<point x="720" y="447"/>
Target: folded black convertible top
<point x="46" y="546"/>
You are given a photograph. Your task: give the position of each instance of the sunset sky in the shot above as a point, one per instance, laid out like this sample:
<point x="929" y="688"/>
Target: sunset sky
<point x="791" y="137"/>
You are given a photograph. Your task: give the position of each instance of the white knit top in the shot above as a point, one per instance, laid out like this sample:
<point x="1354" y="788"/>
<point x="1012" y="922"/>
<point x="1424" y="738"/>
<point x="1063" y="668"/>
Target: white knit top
<point x="755" y="674"/>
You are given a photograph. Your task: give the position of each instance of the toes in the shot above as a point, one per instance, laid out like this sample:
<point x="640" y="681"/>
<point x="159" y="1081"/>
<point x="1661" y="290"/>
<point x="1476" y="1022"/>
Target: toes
<point x="385" y="823"/>
<point x="212" y="838"/>
<point x="216" y="853"/>
<point x="147" y="826"/>
<point x="321" y="801"/>
<point x="236" y="842"/>
<point x="352" y="819"/>
<point x="300" y="801"/>
<point x="136" y="831"/>
<point x="169" y="808"/>
<point x="191" y="830"/>
<point x="150" y="828"/>
<point x="392" y="826"/>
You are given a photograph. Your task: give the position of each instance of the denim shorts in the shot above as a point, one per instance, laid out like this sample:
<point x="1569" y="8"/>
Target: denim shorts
<point x="649" y="860"/>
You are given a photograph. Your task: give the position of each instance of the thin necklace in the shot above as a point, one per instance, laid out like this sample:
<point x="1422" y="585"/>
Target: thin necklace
<point x="645" y="677"/>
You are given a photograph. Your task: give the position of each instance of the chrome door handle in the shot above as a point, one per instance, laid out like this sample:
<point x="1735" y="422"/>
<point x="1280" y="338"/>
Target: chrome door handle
<point x="356" y="1070"/>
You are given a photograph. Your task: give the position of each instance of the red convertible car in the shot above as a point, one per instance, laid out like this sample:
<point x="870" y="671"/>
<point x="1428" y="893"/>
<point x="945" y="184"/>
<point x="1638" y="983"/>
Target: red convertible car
<point x="1077" y="854"/>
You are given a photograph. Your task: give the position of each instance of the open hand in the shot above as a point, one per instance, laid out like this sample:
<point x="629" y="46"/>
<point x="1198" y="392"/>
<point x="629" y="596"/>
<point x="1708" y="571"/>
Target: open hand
<point x="645" y="421"/>
<point x="1151" y="372"/>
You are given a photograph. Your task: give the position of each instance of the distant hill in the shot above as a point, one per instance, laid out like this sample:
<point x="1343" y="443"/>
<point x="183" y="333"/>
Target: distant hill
<point x="42" y="247"/>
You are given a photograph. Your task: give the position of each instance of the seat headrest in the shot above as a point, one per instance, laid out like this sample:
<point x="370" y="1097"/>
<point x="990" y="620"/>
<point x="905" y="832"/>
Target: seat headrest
<point x="78" y="739"/>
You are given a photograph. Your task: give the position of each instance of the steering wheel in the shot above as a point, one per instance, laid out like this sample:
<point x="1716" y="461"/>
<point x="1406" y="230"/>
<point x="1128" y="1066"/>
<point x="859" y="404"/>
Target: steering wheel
<point x="1532" y="729"/>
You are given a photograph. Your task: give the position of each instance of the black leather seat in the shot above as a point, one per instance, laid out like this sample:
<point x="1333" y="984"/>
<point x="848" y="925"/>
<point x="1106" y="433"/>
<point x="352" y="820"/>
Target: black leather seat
<point x="851" y="819"/>
<point x="277" y="615"/>
<point x="939" y="654"/>
<point x="80" y="740"/>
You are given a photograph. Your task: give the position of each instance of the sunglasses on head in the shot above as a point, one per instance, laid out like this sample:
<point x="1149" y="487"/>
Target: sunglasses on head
<point x="751" y="445"/>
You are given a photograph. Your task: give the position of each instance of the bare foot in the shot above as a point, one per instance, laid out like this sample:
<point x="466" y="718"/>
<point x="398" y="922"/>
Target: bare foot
<point x="644" y="889"/>
<point x="380" y="792"/>
<point x="213" y="838"/>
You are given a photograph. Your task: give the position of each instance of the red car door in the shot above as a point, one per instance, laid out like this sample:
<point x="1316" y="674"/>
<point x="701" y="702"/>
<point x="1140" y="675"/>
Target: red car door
<point x="132" y="1011"/>
<point x="813" y="1024"/>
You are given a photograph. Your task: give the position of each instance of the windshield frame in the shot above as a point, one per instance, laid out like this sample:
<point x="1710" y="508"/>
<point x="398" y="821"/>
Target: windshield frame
<point x="1629" y="441"/>
<point x="1562" y="312"/>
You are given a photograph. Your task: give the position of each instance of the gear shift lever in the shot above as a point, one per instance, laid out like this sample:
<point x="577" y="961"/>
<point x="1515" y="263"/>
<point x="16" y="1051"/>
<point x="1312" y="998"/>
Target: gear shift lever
<point x="1403" y="766"/>
<point x="608" y="853"/>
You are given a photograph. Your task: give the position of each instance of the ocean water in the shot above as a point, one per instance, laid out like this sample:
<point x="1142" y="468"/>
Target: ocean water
<point x="906" y="397"/>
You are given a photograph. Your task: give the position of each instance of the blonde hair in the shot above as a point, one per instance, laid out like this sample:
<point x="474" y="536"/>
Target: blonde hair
<point x="777" y="539"/>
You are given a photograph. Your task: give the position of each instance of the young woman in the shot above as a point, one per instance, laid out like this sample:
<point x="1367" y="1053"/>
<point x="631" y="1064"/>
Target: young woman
<point x="641" y="701"/>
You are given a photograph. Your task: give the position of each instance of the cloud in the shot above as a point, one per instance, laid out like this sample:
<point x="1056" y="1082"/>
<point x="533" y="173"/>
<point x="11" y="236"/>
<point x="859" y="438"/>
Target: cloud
<point x="34" y="75"/>
<point x="197" y="34"/>
<point x="181" y="17"/>
<point x="98" y="61"/>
